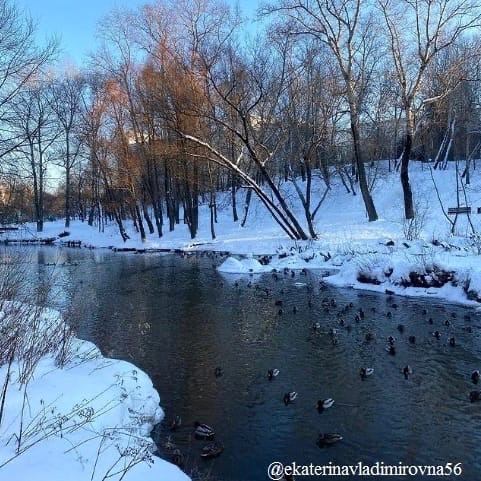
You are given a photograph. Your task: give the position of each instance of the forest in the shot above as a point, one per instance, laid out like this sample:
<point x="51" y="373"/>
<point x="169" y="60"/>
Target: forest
<point x="185" y="100"/>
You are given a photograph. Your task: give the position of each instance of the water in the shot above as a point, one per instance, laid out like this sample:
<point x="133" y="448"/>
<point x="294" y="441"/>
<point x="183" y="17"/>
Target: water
<point x="178" y="319"/>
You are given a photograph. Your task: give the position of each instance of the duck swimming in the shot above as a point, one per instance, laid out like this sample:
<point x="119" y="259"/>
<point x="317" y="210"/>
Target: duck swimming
<point x="272" y="373"/>
<point x="365" y="371"/>
<point x="202" y="431"/>
<point x="218" y="371"/>
<point x="324" y="404"/>
<point x="391" y="350"/>
<point x="406" y="371"/>
<point x="212" y="450"/>
<point x="475" y="396"/>
<point x="475" y="376"/>
<point x="289" y="397"/>
<point x="326" y="439"/>
<point x="177" y="458"/>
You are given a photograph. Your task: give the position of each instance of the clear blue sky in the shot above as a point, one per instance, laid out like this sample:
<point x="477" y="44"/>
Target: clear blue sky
<point x="74" y="21"/>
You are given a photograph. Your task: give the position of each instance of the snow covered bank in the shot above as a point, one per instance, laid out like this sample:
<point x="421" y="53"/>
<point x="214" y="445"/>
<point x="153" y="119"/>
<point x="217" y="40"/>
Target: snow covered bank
<point x="346" y="240"/>
<point x="71" y="414"/>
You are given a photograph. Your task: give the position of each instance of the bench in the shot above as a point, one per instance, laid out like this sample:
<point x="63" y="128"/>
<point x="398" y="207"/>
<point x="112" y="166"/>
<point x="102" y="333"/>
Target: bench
<point x="5" y="228"/>
<point x="460" y="210"/>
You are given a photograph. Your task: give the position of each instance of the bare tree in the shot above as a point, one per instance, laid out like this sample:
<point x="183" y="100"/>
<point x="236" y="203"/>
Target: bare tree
<point x="65" y="101"/>
<point x="347" y="31"/>
<point x="21" y="60"/>
<point x="33" y="120"/>
<point x="417" y="31"/>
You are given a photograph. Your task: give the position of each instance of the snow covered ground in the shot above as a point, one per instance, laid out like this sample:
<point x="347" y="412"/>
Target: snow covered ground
<point x="76" y="416"/>
<point x="92" y="416"/>
<point x="346" y="240"/>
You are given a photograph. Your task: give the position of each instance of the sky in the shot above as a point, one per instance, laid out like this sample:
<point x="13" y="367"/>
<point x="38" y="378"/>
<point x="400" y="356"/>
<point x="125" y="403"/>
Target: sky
<point x="74" y="21"/>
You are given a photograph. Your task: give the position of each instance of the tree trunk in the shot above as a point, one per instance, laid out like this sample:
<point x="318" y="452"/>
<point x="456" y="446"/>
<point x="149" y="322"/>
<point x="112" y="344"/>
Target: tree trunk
<point x="406" y="186"/>
<point x="234" y="202"/>
<point x="361" y="172"/>
<point x="212" y="214"/>
<point x="140" y="224"/>
<point x="67" y="181"/>
<point x="246" y="206"/>
<point x="147" y="219"/>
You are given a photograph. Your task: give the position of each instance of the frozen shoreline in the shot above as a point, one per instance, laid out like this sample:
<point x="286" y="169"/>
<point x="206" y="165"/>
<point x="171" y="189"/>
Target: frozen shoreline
<point x="87" y="418"/>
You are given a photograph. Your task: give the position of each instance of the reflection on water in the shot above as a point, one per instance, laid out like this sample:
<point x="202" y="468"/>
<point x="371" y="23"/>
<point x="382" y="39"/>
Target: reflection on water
<point x="178" y="319"/>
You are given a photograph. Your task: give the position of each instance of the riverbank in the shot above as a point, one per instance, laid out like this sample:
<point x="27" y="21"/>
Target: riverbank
<point x="70" y="413"/>
<point x="421" y="258"/>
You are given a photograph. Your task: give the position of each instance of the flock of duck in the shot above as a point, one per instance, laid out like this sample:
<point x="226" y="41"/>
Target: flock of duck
<point x="205" y="432"/>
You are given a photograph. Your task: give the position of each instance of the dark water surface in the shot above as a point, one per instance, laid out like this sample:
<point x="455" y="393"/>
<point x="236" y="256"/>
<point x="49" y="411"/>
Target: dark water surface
<point x="178" y="319"/>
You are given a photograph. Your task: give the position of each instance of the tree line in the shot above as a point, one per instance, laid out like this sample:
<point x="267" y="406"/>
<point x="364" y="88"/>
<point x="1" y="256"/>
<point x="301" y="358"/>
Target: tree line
<point x="183" y="101"/>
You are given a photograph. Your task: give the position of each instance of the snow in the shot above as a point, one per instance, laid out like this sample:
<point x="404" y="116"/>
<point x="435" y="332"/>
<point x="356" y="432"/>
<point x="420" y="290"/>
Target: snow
<point x="346" y="241"/>
<point x="92" y="408"/>
<point x="235" y="266"/>
<point x="80" y="420"/>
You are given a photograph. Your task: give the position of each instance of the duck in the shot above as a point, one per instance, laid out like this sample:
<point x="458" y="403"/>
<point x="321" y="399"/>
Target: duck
<point x="447" y="323"/>
<point x="361" y="313"/>
<point x="412" y="339"/>
<point x="316" y="326"/>
<point x="365" y="371"/>
<point x="326" y="439"/>
<point x="475" y="376"/>
<point x="177" y="458"/>
<point x="202" y="431"/>
<point x="424" y="311"/>
<point x="369" y="336"/>
<point x="452" y="341"/>
<point x="272" y="373"/>
<point x="176" y="423"/>
<point x="212" y="450"/>
<point x="289" y="397"/>
<point x="400" y="328"/>
<point x="406" y="371"/>
<point x="324" y="404"/>
<point x="391" y="340"/>
<point x="357" y="318"/>
<point x="437" y="334"/>
<point x="391" y="350"/>
<point x="431" y="320"/>
<point x="389" y="314"/>
<point x="475" y="396"/>
<point x="218" y="371"/>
